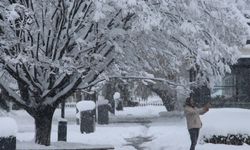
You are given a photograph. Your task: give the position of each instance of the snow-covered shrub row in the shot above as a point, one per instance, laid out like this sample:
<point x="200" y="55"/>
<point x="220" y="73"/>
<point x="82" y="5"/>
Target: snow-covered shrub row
<point x="226" y="126"/>
<point x="230" y="139"/>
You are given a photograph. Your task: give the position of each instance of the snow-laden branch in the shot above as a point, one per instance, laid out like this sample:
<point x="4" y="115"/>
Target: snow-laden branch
<point x="56" y="85"/>
<point x="86" y="86"/>
<point x="153" y="79"/>
<point x="31" y="78"/>
<point x="17" y="75"/>
<point x="12" y="94"/>
<point x="74" y="82"/>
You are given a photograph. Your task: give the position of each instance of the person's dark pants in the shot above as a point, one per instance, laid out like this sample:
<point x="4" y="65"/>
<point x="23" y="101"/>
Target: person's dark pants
<point x="194" y="134"/>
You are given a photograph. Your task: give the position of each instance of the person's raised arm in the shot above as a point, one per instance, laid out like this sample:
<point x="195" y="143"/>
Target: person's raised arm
<point x="204" y="109"/>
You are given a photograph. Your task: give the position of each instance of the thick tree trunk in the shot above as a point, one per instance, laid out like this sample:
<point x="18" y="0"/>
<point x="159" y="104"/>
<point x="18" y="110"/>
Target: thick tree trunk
<point x="43" y="128"/>
<point x="108" y="93"/>
<point x="43" y="123"/>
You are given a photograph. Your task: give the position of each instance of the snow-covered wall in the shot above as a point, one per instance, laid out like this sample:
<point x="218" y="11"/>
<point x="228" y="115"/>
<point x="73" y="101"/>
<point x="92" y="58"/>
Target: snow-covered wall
<point x="85" y="105"/>
<point x="8" y="127"/>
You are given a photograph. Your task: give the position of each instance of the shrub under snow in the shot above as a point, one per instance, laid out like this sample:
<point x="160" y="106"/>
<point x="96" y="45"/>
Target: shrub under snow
<point x="230" y="139"/>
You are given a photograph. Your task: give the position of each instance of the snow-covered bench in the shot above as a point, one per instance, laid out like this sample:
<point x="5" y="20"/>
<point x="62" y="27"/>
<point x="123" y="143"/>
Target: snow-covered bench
<point x="8" y="130"/>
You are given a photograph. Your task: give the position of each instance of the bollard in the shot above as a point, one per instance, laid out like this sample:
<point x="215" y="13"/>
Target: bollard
<point x="62" y="130"/>
<point x="103" y="114"/>
<point x="87" y="121"/>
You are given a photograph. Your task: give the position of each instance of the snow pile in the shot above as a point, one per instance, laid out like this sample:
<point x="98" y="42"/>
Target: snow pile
<point x="85" y="105"/>
<point x="226" y="121"/>
<point x="2" y="112"/>
<point x="8" y="127"/>
<point x="102" y="101"/>
<point x="116" y="96"/>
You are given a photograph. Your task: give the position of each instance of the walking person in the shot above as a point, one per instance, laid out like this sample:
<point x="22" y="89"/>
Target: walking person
<point x="193" y="120"/>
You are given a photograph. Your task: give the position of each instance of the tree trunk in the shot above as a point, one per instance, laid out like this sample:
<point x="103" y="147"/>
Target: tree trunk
<point x="167" y="99"/>
<point x="108" y="93"/>
<point x="43" y="123"/>
<point x="78" y="95"/>
<point x="125" y="95"/>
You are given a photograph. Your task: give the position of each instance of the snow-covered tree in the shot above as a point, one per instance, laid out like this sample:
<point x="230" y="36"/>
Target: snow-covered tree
<point x="49" y="48"/>
<point x="193" y="34"/>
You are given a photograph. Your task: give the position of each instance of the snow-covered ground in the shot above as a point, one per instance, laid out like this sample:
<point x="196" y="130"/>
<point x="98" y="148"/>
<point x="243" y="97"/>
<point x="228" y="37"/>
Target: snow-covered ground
<point x="152" y="132"/>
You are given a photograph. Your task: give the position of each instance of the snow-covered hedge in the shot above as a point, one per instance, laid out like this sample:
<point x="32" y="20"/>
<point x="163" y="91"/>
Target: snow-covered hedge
<point x="230" y="139"/>
<point x="8" y="127"/>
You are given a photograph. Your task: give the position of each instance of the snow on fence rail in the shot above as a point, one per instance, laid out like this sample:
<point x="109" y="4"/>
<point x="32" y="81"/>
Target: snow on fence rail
<point x="159" y="103"/>
<point x="69" y="105"/>
<point x="150" y="103"/>
<point x="141" y="104"/>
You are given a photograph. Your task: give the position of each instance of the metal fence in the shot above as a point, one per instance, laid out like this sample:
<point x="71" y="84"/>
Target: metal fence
<point x="145" y="103"/>
<point x="141" y="104"/>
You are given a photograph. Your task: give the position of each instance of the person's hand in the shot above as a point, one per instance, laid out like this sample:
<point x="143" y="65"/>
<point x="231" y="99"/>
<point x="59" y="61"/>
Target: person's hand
<point x="206" y="109"/>
<point x="208" y="105"/>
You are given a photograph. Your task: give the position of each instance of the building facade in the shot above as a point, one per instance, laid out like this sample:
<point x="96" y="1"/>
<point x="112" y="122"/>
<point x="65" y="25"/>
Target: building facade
<point x="234" y="90"/>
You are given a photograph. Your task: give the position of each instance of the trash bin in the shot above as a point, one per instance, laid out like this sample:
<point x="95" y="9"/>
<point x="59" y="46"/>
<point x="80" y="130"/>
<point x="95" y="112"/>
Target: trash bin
<point x="119" y="105"/>
<point x="103" y="108"/>
<point x="62" y="130"/>
<point x="87" y="116"/>
<point x="8" y="132"/>
<point x="103" y="114"/>
<point x="87" y="121"/>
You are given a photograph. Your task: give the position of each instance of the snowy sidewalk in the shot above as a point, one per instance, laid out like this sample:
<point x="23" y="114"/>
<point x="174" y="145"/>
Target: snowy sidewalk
<point x="62" y="146"/>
